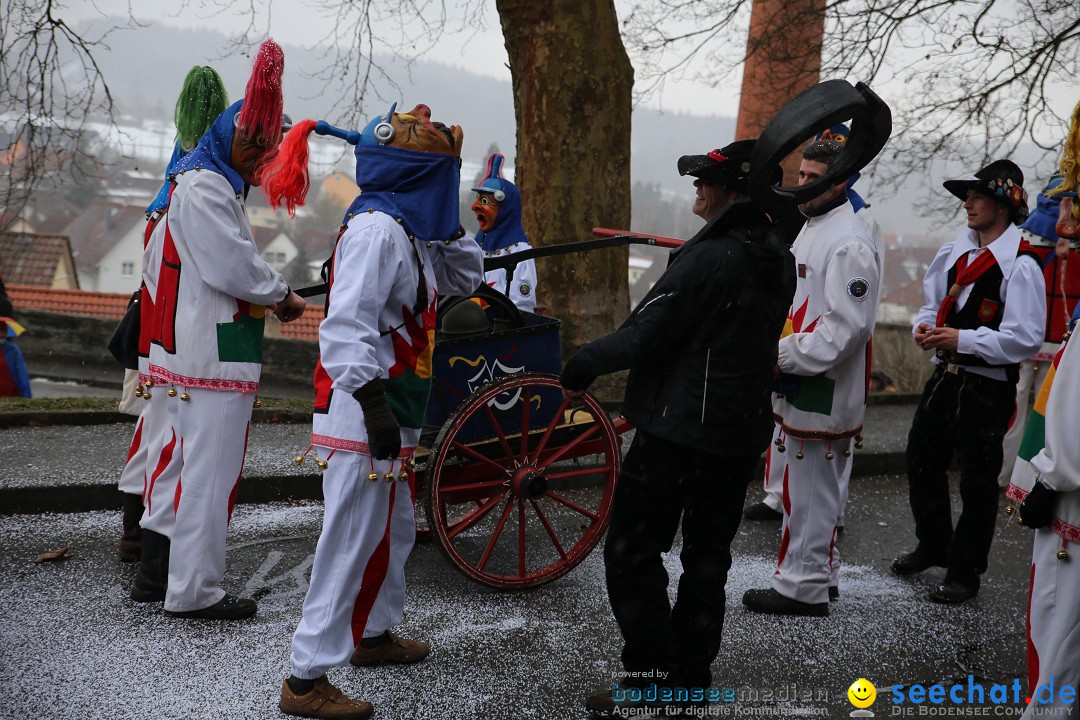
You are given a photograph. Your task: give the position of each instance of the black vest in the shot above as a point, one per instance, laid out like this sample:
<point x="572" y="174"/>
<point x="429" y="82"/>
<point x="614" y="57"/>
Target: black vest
<point x="984" y="308"/>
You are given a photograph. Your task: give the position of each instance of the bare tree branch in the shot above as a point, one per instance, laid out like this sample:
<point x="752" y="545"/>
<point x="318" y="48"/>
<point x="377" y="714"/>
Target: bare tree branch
<point x="51" y="91"/>
<point x="975" y="77"/>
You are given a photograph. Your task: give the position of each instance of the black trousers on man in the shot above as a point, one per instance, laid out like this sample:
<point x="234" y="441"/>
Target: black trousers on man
<point x="660" y="484"/>
<point x="967" y="415"/>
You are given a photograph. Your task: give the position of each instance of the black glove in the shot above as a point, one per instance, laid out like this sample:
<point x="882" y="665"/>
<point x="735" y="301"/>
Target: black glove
<point x="384" y="433"/>
<point x="576" y="374"/>
<point x="1037" y="510"/>
<point x="787" y="385"/>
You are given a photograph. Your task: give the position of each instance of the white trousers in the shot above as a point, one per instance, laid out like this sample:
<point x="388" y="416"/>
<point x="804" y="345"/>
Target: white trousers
<point x="198" y="459"/>
<point x="358" y="579"/>
<point x="774" y="476"/>
<point x="1053" y="625"/>
<point x="809" y="561"/>
<point x="135" y="477"/>
<point x="1032" y="374"/>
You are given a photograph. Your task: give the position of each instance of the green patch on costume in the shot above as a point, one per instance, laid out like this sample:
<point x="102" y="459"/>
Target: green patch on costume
<point x="408" y="397"/>
<point x="241" y="340"/>
<point x="1034" y="436"/>
<point x="815" y="395"/>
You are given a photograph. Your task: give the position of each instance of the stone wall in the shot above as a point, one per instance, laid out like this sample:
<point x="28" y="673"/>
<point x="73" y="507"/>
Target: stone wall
<point x="70" y="347"/>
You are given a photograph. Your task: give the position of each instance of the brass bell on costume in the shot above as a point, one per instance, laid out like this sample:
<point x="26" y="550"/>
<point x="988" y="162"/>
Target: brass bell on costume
<point x="373" y="476"/>
<point x="389" y="477"/>
<point x="799" y="455"/>
<point x="146" y="394"/>
<point x="149" y="383"/>
<point x="829" y="455"/>
<point x="299" y="459"/>
<point x="847" y="453"/>
<point x="258" y="403"/>
<point x="403" y="476"/>
<point x="185" y="397"/>
<point x="780" y="448"/>
<point x="1063" y="554"/>
<point x="172" y="392"/>
<point x="1009" y="509"/>
<point x="321" y="464"/>
<point x="138" y="391"/>
<point x="858" y="442"/>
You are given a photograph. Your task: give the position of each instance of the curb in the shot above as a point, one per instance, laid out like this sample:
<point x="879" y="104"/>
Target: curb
<point x="286" y="488"/>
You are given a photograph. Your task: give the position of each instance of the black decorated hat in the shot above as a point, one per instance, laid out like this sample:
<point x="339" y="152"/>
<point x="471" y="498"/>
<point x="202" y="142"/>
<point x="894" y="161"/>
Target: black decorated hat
<point x="1002" y="180"/>
<point x="729" y="165"/>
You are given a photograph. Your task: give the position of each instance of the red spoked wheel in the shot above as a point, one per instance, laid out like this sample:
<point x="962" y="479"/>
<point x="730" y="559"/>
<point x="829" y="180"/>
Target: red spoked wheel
<point x="520" y="481"/>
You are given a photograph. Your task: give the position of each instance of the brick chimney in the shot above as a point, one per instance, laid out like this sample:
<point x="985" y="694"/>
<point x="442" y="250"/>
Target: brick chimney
<point x="783" y="58"/>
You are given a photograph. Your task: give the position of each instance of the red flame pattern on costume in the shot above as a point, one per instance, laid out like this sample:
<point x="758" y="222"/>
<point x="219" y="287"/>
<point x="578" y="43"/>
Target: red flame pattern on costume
<point x="415" y="353"/>
<point x="799" y="316"/>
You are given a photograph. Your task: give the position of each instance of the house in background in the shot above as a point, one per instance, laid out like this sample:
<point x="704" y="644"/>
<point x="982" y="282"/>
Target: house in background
<point x="275" y="246"/>
<point x="107" y="241"/>
<point x="37" y="260"/>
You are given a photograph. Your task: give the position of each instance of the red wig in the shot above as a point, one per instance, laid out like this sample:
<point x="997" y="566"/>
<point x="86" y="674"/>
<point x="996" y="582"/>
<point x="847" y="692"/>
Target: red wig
<point x="285" y="178"/>
<point x="263" y="104"/>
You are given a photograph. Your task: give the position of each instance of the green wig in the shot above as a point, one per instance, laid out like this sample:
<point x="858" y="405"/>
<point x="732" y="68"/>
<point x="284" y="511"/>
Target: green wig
<point x="201" y="100"/>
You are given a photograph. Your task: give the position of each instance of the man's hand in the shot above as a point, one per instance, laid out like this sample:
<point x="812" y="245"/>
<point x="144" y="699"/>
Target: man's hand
<point x="572" y="396"/>
<point x="922" y="333"/>
<point x="575" y="379"/>
<point x="290" y="308"/>
<point x="945" y="338"/>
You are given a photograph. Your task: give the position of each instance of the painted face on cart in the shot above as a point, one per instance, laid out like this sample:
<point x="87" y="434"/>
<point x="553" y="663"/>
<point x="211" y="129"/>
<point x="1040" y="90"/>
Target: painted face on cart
<point x="415" y="130"/>
<point x="486" y="208"/>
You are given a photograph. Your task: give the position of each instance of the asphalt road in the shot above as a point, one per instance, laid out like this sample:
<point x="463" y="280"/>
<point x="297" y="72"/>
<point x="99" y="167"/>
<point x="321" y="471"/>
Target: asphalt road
<point x="73" y="646"/>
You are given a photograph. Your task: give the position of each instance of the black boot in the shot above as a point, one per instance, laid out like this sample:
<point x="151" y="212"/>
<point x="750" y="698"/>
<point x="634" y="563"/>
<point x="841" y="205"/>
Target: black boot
<point x="153" y="575"/>
<point x="131" y="540"/>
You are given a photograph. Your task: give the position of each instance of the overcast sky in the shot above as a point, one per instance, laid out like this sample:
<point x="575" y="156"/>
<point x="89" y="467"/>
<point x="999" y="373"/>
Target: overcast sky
<point x="302" y="22"/>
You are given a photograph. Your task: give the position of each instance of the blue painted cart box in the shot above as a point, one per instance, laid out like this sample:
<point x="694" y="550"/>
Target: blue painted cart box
<point x="461" y="365"/>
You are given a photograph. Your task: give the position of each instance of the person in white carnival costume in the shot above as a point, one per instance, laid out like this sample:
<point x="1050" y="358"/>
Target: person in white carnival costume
<point x="821" y="389"/>
<point x="210" y="289"/>
<point x="400" y="246"/>
<point x="498" y="212"/>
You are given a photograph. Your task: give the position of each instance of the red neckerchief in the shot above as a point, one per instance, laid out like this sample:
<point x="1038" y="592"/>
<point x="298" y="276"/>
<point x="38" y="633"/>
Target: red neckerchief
<point x="966" y="275"/>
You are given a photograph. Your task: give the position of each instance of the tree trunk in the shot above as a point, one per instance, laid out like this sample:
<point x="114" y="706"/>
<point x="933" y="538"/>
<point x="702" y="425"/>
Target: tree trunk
<point x="783" y="58"/>
<point x="572" y="99"/>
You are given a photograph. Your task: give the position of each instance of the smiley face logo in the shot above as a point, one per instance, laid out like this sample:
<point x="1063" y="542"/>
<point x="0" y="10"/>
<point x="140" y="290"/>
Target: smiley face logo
<point x="862" y="693"/>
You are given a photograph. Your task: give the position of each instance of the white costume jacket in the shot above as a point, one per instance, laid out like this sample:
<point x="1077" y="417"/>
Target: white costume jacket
<point x="522" y="289"/>
<point x="210" y="286"/>
<point x="1023" y="291"/>
<point x="1057" y="465"/>
<point x="372" y="329"/>
<point x="826" y="340"/>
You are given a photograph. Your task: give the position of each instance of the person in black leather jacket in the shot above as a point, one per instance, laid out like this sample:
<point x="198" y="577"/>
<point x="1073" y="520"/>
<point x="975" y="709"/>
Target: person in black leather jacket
<point x="701" y="348"/>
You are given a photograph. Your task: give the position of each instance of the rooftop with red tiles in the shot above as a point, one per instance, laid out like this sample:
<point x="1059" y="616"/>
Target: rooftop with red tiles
<point x="111" y="306"/>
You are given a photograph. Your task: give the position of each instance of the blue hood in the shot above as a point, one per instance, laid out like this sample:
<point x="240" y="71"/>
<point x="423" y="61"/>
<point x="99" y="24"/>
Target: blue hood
<point x="420" y="188"/>
<point x="857" y="203"/>
<point x="1043" y="222"/>
<point x="507" y="229"/>
<point x="161" y="201"/>
<point x="214" y="151"/>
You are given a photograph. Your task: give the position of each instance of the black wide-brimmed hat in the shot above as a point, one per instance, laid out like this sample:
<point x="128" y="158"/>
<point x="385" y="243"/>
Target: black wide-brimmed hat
<point x="729" y="165"/>
<point x="1001" y="180"/>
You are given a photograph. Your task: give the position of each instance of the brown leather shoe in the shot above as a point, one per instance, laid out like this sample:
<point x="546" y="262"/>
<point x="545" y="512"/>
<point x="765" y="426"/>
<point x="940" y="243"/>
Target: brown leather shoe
<point x="324" y="701"/>
<point x="395" y="650"/>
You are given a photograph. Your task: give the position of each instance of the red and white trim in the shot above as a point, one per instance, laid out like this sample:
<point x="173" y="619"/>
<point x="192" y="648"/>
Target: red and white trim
<point x="355" y="446"/>
<point x="160" y="374"/>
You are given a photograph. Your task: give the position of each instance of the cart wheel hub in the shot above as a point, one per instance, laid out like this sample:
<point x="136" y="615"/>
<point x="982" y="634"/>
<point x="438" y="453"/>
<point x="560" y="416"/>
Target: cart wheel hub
<point x="527" y="483"/>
